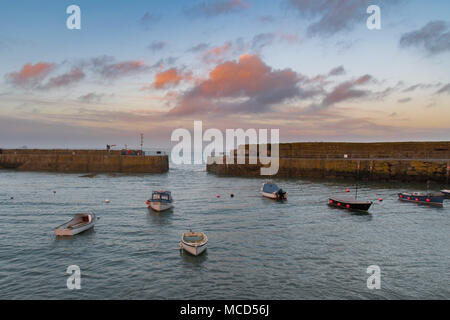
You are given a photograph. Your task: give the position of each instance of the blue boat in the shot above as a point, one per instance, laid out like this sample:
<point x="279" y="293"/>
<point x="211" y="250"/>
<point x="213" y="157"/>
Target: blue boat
<point x="422" y="198"/>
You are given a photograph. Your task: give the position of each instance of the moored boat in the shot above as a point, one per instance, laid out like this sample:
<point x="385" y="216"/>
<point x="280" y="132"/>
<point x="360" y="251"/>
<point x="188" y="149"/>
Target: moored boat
<point x="272" y="191"/>
<point x="194" y="242"/>
<point x="81" y="222"/>
<point x="422" y="198"/>
<point x="446" y="193"/>
<point x="160" y="201"/>
<point x="349" y="203"/>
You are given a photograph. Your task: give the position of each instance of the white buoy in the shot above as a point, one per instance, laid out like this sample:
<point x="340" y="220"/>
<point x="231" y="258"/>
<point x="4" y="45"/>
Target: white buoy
<point x="106" y="201"/>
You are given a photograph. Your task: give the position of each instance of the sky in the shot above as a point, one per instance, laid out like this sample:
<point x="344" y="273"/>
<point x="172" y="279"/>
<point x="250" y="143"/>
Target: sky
<point x="310" y="68"/>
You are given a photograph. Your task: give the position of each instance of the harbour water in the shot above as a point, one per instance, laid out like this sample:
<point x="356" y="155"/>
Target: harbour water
<point x="258" y="248"/>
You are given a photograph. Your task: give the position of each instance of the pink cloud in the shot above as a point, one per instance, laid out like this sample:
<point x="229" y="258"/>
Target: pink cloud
<point x="171" y="77"/>
<point x="217" y="54"/>
<point x="30" y="75"/>
<point x="253" y="85"/>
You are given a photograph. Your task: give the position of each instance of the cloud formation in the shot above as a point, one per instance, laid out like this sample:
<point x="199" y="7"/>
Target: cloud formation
<point x="422" y="86"/>
<point x="331" y="17"/>
<point x="199" y="47"/>
<point x="157" y="45"/>
<point x="404" y="100"/>
<point x="66" y="79"/>
<point x="244" y="86"/>
<point x="90" y="97"/>
<point x="108" y="69"/>
<point x="216" y="7"/>
<point x="338" y="71"/>
<point x="148" y="20"/>
<point x="444" y="89"/>
<point x="218" y="54"/>
<point x="170" y="78"/>
<point x="347" y="90"/>
<point x="30" y="76"/>
<point x="433" y="38"/>
<point x="255" y="45"/>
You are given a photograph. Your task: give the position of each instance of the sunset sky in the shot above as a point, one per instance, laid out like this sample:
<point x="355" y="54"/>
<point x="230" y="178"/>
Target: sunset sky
<point x="308" y="67"/>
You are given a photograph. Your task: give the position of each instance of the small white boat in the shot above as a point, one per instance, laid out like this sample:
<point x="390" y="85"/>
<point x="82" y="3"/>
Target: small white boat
<point x="160" y="201"/>
<point x="272" y="191"/>
<point x="194" y="242"/>
<point x="81" y="222"/>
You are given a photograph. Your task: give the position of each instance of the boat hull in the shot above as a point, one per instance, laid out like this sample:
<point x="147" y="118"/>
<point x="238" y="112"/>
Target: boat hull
<point x="194" y="250"/>
<point x="64" y="229"/>
<point x="160" y="206"/>
<point x="273" y="195"/>
<point x="446" y="194"/>
<point x="349" y="204"/>
<point x="436" y="200"/>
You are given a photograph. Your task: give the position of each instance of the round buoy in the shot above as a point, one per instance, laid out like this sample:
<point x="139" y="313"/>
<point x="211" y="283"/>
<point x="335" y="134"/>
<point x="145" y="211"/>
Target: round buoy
<point x="232" y="195"/>
<point x="218" y="196"/>
<point x="381" y="199"/>
<point x="348" y="206"/>
<point x="106" y="201"/>
<point x="54" y="191"/>
<point x="347" y="190"/>
<point x="12" y="198"/>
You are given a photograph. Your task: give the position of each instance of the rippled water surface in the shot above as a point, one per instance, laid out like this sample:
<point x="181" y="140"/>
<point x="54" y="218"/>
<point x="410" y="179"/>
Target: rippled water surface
<point x="258" y="249"/>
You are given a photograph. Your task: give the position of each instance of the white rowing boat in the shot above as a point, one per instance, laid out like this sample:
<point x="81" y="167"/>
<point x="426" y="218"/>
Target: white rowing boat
<point x="194" y="242"/>
<point x="81" y="222"/>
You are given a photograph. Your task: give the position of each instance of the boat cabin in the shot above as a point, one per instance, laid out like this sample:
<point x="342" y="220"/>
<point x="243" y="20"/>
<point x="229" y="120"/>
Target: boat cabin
<point x="165" y="196"/>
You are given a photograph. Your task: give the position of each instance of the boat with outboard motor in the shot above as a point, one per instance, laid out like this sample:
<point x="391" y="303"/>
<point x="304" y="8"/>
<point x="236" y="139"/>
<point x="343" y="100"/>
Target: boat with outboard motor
<point x="272" y="191"/>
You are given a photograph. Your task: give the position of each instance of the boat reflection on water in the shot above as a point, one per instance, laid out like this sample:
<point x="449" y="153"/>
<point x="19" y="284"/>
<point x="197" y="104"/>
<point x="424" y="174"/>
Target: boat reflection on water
<point x="192" y="260"/>
<point x="160" y="218"/>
